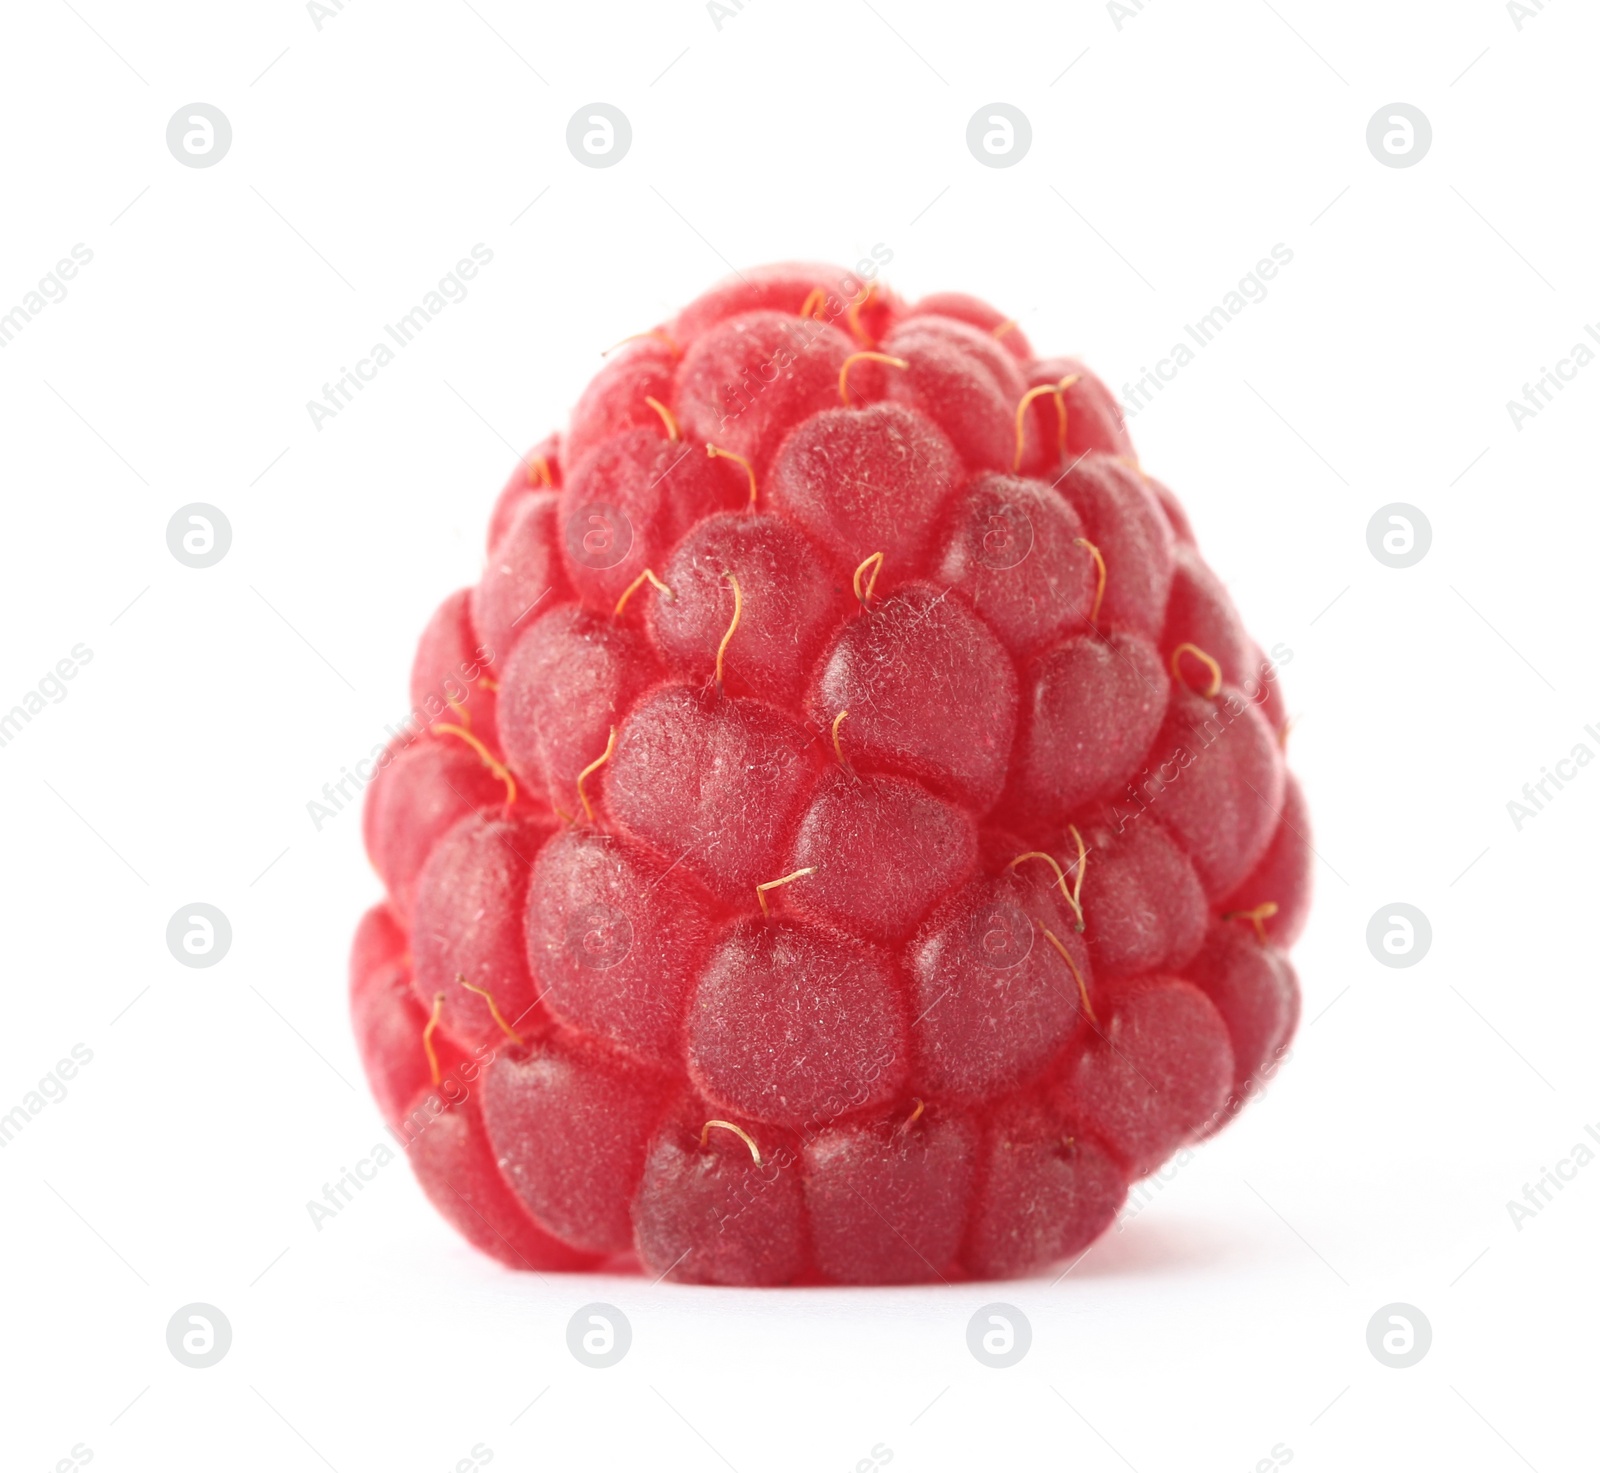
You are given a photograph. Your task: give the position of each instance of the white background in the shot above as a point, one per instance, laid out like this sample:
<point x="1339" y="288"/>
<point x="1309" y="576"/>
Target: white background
<point x="1229" y="1314"/>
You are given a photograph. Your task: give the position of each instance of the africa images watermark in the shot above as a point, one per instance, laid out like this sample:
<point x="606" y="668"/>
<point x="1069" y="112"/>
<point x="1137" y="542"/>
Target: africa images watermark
<point x="1525" y="10"/>
<point x="324" y="10"/>
<point x="444" y="705"/>
<point x="1539" y="1194"/>
<point x="1251" y="288"/>
<point x="1538" y="795"/>
<point x="52" y="287"/>
<point x="720" y="12"/>
<point x="51" y="1090"/>
<point x="51" y="687"/>
<point x="1122" y="11"/>
<point x="1541" y="393"/>
<point x="451" y="288"/>
<point x="451" y="1088"/>
<point x="338" y="1194"/>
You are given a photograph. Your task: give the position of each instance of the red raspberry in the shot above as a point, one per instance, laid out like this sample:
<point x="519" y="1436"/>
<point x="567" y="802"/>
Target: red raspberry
<point x="848" y="834"/>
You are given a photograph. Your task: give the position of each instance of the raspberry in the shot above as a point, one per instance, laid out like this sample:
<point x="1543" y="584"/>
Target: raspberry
<point x="1050" y="1190"/>
<point x="1158" y="1075"/>
<point x="615" y="938"/>
<point x="467" y="931"/>
<point x="819" y="1032"/>
<point x="420" y="795"/>
<point x="880" y="851"/>
<point x="865" y="479"/>
<point x="522" y="573"/>
<point x="570" y="1123"/>
<point x="719" y="1203"/>
<point x="786" y="596"/>
<point x="846" y="834"/>
<point x="887" y="1197"/>
<point x="1092" y="709"/>
<point x="1019" y="554"/>
<point x="959" y="378"/>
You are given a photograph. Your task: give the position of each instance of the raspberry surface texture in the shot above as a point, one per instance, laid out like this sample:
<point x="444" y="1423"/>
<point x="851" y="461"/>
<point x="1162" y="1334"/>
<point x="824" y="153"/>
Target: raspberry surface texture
<point x="844" y="835"/>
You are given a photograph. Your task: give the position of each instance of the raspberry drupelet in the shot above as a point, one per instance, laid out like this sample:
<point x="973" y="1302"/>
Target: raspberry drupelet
<point x="845" y="835"/>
